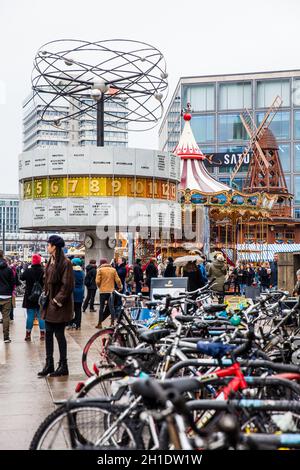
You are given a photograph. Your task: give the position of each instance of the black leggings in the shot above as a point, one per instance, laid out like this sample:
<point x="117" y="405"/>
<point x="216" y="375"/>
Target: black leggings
<point x="57" y="329"/>
<point x="90" y="299"/>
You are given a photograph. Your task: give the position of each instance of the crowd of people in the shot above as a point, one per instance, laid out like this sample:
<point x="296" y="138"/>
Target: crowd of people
<point x="57" y="294"/>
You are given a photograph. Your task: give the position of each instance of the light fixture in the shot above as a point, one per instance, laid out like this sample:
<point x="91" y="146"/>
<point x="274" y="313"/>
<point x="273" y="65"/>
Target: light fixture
<point x="158" y="96"/>
<point x="99" y="84"/>
<point x="96" y="94"/>
<point x="164" y="75"/>
<point x="68" y="61"/>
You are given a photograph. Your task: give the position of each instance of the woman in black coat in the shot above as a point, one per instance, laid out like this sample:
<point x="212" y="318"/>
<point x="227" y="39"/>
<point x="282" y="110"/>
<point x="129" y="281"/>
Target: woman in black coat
<point x="33" y="276"/>
<point x="170" y="270"/>
<point x="191" y="271"/>
<point x="151" y="271"/>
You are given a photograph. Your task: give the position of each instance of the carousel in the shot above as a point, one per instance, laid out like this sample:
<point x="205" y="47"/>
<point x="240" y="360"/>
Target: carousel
<point x="219" y="214"/>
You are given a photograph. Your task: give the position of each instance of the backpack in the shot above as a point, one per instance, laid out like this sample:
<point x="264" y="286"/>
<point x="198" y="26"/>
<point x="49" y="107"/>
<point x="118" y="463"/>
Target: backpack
<point x="35" y="292"/>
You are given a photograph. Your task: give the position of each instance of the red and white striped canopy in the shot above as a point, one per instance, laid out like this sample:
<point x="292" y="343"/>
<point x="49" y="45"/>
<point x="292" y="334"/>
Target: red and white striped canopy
<point x="193" y="172"/>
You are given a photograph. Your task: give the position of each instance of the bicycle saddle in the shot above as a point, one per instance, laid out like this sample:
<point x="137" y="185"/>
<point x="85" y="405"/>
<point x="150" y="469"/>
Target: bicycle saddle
<point x="152" y="304"/>
<point x="125" y="352"/>
<point x="214" y="308"/>
<point x="152" y="336"/>
<point x="215" y="350"/>
<point x="185" y="318"/>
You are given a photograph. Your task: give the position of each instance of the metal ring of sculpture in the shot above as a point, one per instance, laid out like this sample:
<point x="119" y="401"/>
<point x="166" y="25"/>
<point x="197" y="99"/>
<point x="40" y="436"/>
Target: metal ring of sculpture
<point x="129" y="73"/>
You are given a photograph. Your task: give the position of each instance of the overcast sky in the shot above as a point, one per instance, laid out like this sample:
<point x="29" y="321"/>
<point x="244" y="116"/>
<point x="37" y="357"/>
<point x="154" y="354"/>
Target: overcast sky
<point x="197" y="37"/>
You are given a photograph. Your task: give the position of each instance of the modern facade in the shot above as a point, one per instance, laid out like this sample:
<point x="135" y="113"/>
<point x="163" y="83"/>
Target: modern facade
<point x="71" y="132"/>
<point x="9" y="213"/>
<point x="217" y="102"/>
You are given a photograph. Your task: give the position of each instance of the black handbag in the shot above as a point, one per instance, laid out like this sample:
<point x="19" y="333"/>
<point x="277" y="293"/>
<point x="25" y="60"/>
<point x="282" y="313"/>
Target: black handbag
<point x="43" y="301"/>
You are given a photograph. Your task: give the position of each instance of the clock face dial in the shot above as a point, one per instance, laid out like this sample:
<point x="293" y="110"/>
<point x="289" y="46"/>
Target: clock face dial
<point x="111" y="243"/>
<point x="88" y="241"/>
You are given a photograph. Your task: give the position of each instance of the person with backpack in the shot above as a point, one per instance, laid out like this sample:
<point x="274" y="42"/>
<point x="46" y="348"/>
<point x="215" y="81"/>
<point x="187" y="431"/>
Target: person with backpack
<point x="7" y="283"/>
<point x="57" y="305"/>
<point x="90" y="284"/>
<point x="33" y="276"/>
<point x="78" y="293"/>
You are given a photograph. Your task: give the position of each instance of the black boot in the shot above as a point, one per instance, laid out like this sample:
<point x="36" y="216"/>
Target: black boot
<point x="48" y="369"/>
<point x="62" y="369"/>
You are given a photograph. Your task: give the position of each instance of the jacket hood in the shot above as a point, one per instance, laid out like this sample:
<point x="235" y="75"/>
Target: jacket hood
<point x="216" y="262"/>
<point x="90" y="266"/>
<point x="106" y="265"/>
<point x="77" y="268"/>
<point x="3" y="264"/>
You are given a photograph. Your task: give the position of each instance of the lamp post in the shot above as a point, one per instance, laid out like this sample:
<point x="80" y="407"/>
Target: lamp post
<point x="3" y="228"/>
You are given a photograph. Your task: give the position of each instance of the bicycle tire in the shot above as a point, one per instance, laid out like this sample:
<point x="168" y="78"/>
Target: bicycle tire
<point x="62" y="412"/>
<point x="85" y="392"/>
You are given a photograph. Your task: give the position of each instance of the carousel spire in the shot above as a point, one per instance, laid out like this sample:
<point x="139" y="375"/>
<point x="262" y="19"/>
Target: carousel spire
<point x="194" y="175"/>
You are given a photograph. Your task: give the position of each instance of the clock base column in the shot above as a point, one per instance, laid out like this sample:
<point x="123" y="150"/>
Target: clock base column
<point x="98" y="250"/>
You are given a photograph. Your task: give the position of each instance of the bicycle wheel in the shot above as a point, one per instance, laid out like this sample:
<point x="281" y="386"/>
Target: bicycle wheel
<point x="104" y="385"/>
<point x="96" y="349"/>
<point x="84" y="425"/>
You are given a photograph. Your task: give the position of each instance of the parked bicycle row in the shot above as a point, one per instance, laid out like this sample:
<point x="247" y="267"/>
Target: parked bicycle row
<point x="194" y="374"/>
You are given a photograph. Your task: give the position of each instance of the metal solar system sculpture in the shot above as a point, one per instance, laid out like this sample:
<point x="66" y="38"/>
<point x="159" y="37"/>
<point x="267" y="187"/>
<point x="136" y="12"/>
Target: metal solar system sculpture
<point x="88" y="76"/>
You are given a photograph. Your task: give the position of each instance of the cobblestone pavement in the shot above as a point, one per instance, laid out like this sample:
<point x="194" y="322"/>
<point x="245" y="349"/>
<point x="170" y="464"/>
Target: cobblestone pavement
<point x="25" y="400"/>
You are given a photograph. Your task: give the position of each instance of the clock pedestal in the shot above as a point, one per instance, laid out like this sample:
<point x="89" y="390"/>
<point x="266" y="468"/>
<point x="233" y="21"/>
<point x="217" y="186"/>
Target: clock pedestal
<point x="98" y="250"/>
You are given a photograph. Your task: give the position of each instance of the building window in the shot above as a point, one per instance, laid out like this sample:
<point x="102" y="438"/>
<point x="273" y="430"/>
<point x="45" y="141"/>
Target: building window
<point x="280" y="125"/>
<point x="203" y="128"/>
<point x="231" y="128"/>
<point x="297" y="157"/>
<point x="267" y="90"/>
<point x="225" y="181"/>
<point x="285" y="156"/>
<point x="297" y="213"/>
<point x="297" y="189"/>
<point x="201" y="97"/>
<point x="235" y="95"/>
<point x="297" y="125"/>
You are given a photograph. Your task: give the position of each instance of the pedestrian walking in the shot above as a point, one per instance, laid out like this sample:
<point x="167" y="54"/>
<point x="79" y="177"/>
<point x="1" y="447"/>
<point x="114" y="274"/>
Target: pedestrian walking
<point x="122" y="272"/>
<point x="138" y="275"/>
<point x="170" y="270"/>
<point x="33" y="276"/>
<point x="151" y="272"/>
<point x="264" y="273"/>
<point x="7" y="283"/>
<point x="191" y="271"/>
<point x="217" y="270"/>
<point x="58" y="308"/>
<point x="78" y="293"/>
<point x="90" y="284"/>
<point x="242" y="277"/>
<point x="129" y="280"/>
<point x="106" y="280"/>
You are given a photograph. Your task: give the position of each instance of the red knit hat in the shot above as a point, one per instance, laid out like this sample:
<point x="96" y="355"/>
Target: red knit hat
<point x="103" y="261"/>
<point x="36" y="259"/>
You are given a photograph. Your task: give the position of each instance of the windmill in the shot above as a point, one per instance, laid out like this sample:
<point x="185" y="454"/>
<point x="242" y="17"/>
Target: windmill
<point x="265" y="170"/>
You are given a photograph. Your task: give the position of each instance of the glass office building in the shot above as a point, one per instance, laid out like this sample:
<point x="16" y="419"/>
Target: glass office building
<point x="217" y="102"/>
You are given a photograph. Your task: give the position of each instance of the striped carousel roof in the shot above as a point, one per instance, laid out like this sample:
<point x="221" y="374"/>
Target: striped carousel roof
<point x="193" y="172"/>
<point x="257" y="252"/>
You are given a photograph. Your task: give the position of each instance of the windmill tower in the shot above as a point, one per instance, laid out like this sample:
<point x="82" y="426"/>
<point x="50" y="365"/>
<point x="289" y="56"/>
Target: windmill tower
<point x="265" y="171"/>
